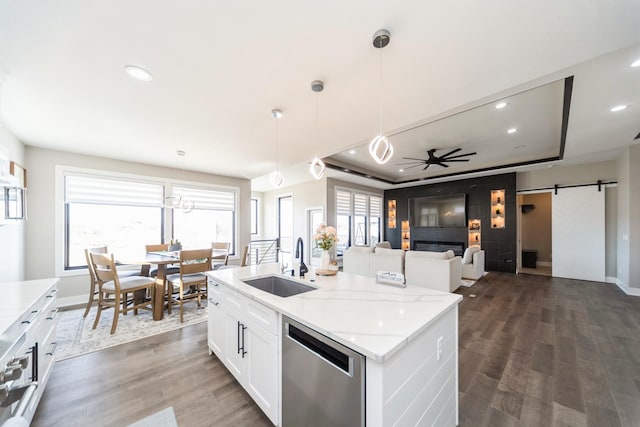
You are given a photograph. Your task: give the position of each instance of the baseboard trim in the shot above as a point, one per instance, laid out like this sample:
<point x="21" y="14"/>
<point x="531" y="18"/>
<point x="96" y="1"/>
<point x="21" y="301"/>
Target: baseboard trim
<point x="627" y="290"/>
<point x="610" y="279"/>
<point x="543" y="263"/>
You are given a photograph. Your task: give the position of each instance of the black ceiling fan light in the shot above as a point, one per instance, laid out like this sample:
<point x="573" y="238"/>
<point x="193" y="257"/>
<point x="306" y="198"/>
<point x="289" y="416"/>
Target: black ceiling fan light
<point x="433" y="159"/>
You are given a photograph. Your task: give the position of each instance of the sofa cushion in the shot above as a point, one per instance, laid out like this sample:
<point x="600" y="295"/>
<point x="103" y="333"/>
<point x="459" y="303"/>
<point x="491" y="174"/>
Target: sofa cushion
<point x="383" y="244"/>
<point x="436" y="255"/>
<point x="467" y="258"/>
<point x="361" y="248"/>
<point x="389" y="251"/>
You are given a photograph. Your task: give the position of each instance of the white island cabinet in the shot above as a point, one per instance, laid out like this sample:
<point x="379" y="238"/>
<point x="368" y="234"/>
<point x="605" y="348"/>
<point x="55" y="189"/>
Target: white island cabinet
<point x="243" y="334"/>
<point x="409" y="337"/>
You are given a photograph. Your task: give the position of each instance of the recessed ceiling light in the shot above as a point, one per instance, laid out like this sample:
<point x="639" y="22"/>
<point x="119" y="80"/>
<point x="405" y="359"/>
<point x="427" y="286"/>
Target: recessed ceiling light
<point x="138" y="73"/>
<point x="636" y="63"/>
<point x="345" y="169"/>
<point x="512" y="130"/>
<point x="519" y="147"/>
<point x="618" y="108"/>
<point x="400" y="170"/>
<point x="352" y="151"/>
<point x="501" y="105"/>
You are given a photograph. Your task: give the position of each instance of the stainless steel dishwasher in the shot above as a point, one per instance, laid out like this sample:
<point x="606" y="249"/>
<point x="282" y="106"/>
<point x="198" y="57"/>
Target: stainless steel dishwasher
<point x="322" y="380"/>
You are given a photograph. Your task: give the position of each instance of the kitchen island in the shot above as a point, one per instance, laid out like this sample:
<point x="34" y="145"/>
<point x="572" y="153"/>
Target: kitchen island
<point x="407" y="335"/>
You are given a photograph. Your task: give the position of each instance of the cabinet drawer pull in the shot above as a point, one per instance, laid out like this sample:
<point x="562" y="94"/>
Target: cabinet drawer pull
<point x="53" y="314"/>
<point x="34" y="314"/>
<point x="53" y="292"/>
<point x="238" y="332"/>
<point x="52" y="350"/>
<point x="214" y="302"/>
<point x="243" y="350"/>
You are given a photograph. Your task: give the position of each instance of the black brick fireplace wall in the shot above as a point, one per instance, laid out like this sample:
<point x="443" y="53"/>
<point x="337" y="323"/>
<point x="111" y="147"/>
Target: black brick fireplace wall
<point x="499" y="244"/>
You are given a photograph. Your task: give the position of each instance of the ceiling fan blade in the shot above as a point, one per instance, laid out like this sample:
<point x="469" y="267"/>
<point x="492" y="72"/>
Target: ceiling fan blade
<point x="413" y="158"/>
<point x="457" y="160"/>
<point x="444" y="165"/>
<point x="425" y="168"/>
<point x="414" y="166"/>
<point x="410" y="163"/>
<point x="450" y="153"/>
<point x="459" y="155"/>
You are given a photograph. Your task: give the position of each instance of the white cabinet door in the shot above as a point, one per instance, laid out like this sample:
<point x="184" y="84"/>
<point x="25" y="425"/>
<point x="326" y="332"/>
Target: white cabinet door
<point x="262" y="372"/>
<point x="216" y="327"/>
<point x="233" y="342"/>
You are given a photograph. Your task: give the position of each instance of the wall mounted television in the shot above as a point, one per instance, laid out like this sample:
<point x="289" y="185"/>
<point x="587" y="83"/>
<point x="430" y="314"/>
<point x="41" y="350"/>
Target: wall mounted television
<point x="438" y="211"/>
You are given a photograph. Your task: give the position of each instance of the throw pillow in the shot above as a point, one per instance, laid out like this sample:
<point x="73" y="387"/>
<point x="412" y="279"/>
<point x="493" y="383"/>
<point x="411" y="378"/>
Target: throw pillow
<point x="467" y="258"/>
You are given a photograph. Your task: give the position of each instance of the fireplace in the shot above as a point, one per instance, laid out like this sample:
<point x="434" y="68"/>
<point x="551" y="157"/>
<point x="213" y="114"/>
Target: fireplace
<point x="427" y="245"/>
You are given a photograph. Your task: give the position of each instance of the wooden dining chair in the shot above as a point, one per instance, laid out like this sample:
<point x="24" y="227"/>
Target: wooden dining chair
<point x="218" y="260"/>
<point x="93" y="283"/>
<point x="193" y="264"/>
<point x="113" y="290"/>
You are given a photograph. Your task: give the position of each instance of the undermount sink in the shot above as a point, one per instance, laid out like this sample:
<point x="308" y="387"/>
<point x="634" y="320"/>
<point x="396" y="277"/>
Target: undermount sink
<point x="278" y="286"/>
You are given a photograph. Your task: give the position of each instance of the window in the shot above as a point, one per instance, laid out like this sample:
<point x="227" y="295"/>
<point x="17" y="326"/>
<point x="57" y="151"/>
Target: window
<point x="126" y="213"/>
<point x="358" y="217"/>
<point x="123" y="215"/>
<point x="211" y="220"/>
<point x="254" y="216"/>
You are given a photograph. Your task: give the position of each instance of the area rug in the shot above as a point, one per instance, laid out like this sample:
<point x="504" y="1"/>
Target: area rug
<point x="76" y="336"/>
<point x="164" y="418"/>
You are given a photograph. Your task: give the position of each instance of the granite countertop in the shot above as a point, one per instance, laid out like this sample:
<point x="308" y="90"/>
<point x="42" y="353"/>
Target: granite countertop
<point x="17" y="297"/>
<point x="375" y="320"/>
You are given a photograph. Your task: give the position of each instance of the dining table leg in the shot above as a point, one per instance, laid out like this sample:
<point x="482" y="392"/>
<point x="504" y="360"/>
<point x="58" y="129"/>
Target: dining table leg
<point x="158" y="293"/>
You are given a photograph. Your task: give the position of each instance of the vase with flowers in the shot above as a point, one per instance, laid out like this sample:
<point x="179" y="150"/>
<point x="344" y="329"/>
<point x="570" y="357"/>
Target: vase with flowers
<point x="325" y="238"/>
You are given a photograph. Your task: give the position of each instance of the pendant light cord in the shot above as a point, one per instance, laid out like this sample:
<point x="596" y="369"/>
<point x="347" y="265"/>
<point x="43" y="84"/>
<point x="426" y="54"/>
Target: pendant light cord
<point x="380" y="90"/>
<point x="276" y="144"/>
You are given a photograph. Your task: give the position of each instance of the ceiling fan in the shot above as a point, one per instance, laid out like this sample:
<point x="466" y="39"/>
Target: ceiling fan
<point x="433" y="159"/>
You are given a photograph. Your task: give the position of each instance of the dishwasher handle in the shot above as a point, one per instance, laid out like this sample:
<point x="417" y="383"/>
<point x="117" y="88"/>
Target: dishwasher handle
<point x="322" y="349"/>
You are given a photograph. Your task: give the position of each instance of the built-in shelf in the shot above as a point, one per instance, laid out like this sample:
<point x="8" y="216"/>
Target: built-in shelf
<point x="474" y="231"/>
<point x="497" y="208"/>
<point x="406" y="236"/>
<point x="391" y="214"/>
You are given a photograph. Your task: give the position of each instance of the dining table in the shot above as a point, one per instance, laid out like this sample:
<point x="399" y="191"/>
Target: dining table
<point x="161" y="259"/>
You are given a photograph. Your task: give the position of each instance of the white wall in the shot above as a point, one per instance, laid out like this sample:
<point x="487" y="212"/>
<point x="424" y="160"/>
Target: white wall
<point x="12" y="249"/>
<point x="634" y="216"/>
<point x="40" y="240"/>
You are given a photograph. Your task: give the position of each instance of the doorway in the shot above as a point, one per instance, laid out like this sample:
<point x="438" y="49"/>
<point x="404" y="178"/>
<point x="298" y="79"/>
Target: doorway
<point x="315" y="217"/>
<point x="535" y="233"/>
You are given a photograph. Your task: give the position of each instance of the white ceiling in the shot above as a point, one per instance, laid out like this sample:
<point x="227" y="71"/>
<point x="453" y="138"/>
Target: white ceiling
<point x="220" y="67"/>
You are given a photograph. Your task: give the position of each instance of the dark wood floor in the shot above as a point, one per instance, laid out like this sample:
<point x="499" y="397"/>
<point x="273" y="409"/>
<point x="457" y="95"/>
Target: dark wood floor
<point x="540" y="351"/>
<point x="534" y="351"/>
<point x="122" y="384"/>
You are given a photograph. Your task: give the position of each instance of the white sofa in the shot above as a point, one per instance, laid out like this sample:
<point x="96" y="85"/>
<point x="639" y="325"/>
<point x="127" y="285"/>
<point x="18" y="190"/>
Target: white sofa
<point x="473" y="263"/>
<point x="357" y="260"/>
<point x="435" y="270"/>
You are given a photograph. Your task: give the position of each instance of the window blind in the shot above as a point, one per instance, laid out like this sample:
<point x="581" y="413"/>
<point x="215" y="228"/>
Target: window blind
<point x="203" y="198"/>
<point x="360" y="204"/>
<point x="375" y="206"/>
<point x="111" y="191"/>
<point x="343" y="202"/>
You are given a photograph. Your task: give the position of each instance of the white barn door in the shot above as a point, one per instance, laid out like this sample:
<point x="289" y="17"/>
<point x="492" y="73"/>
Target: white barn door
<point x="577" y="233"/>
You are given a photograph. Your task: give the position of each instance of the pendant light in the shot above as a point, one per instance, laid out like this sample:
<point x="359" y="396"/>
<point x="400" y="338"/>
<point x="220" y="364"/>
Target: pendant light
<point x="179" y="202"/>
<point x="380" y="148"/>
<point x="317" y="166"/>
<point x="275" y="177"/>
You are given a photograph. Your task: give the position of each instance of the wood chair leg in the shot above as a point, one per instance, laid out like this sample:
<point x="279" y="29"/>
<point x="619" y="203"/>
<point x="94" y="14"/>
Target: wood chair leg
<point x="181" y="303"/>
<point x="124" y="304"/>
<point x="100" y="300"/>
<point x="169" y="296"/>
<point x="89" y="304"/>
<point x="116" y="312"/>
